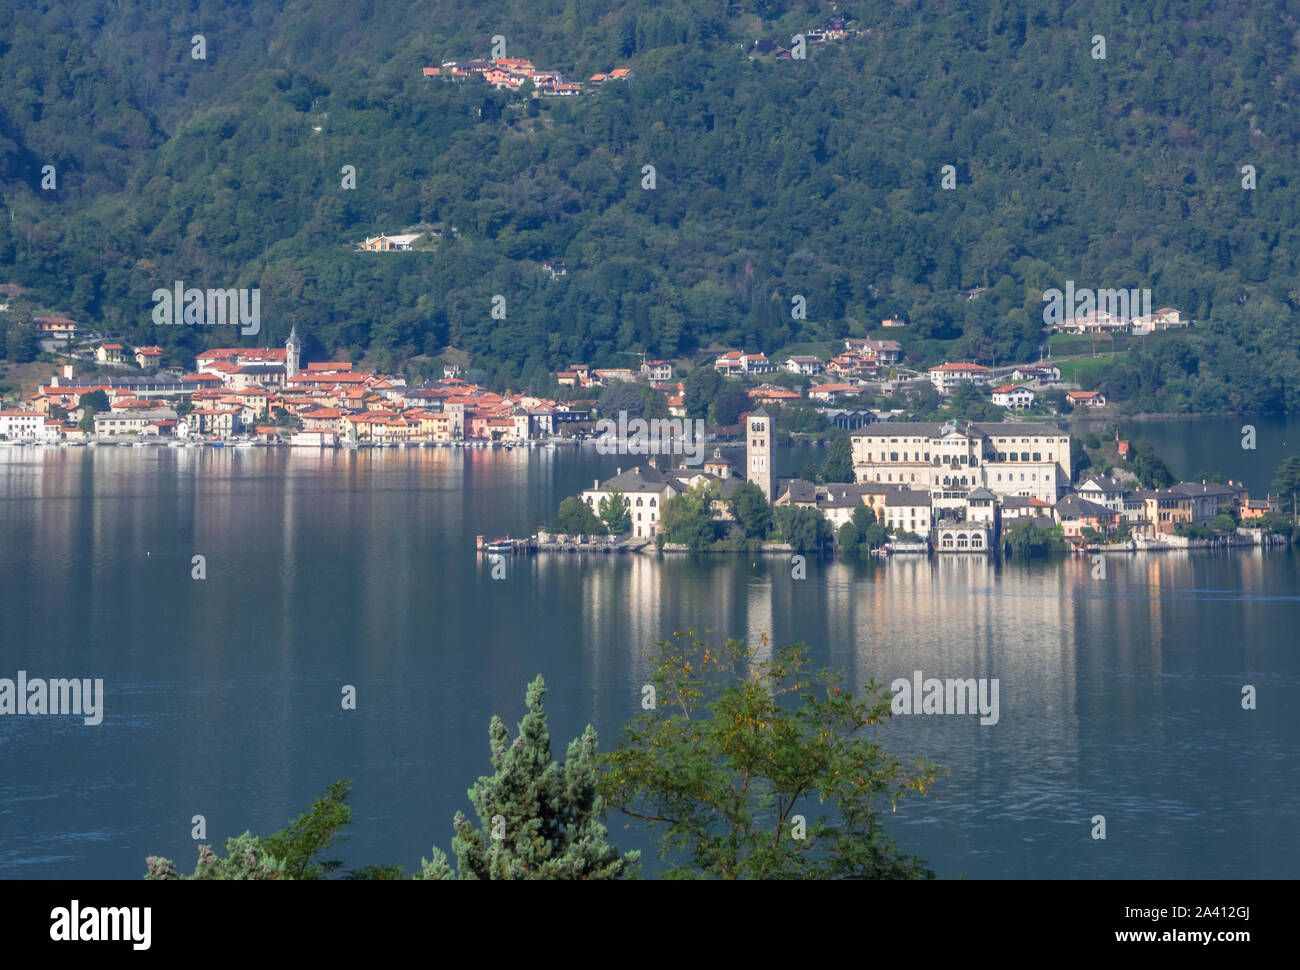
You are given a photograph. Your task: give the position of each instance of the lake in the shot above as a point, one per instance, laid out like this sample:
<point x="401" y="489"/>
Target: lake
<point x="1119" y="697"/>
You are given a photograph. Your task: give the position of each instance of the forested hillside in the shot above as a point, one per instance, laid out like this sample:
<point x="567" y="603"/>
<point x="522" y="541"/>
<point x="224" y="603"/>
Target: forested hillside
<point x="774" y="178"/>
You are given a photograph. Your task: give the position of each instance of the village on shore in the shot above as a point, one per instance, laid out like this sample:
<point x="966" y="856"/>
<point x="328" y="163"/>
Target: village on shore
<point x="267" y="396"/>
<point x="947" y="487"/>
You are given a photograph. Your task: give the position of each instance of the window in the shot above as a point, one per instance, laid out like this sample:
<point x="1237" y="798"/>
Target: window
<point x="893" y="456"/>
<point x="1024" y="456"/>
<point x="1036" y="456"/>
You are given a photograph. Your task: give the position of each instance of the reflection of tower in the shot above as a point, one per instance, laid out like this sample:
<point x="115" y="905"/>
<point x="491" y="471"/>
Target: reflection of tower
<point x="292" y="352"/>
<point x="758" y="453"/>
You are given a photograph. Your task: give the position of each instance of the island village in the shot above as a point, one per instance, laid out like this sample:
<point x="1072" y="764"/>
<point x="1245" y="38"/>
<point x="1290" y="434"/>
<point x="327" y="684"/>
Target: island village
<point x="944" y="487"/>
<point x="948" y="488"/>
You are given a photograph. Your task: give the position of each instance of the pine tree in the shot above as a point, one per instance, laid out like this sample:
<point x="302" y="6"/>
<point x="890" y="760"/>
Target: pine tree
<point x="539" y="820"/>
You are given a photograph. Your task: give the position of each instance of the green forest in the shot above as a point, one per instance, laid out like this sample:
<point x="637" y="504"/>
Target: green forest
<point x="821" y="178"/>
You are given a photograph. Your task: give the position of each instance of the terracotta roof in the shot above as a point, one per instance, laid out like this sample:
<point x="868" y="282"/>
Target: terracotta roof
<point x="959" y="367"/>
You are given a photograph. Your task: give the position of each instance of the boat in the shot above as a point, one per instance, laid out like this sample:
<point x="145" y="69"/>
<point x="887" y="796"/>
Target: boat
<point x="218" y="444"/>
<point x="501" y="545"/>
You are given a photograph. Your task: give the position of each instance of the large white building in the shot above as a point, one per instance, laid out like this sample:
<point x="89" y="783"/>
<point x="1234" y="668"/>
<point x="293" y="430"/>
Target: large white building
<point x="946" y="377"/>
<point x="1009" y="458"/>
<point x="21" y="424"/>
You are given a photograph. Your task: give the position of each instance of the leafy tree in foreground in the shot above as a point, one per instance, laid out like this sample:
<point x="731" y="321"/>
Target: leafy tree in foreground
<point x="740" y="749"/>
<point x="310" y="835"/>
<point x="539" y="820"/>
<point x="292" y="853"/>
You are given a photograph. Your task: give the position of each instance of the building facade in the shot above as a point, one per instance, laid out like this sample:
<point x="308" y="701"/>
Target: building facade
<point x="1009" y="458"/>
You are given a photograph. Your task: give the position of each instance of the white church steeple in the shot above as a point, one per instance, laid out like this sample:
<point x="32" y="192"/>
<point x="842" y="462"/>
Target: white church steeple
<point x="293" y="353"/>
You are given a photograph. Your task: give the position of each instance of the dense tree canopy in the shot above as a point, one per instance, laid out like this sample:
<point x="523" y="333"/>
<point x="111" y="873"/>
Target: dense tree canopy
<point x="821" y="178"/>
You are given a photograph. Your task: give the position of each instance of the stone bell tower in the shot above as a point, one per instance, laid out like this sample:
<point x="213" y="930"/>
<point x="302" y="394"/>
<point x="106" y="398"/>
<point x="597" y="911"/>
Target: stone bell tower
<point x="758" y="453"/>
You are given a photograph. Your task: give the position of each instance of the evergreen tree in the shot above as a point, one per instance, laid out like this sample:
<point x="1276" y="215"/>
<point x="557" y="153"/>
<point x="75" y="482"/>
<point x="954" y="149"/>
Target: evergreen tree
<point x="539" y="820"/>
<point x="1286" y="483"/>
<point x="614" y="512"/>
<point x="292" y="853"/>
<point x="838" y="466"/>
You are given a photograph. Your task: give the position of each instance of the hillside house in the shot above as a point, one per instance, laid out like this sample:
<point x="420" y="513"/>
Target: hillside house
<point x="390" y="244"/>
<point x="1011" y="396"/>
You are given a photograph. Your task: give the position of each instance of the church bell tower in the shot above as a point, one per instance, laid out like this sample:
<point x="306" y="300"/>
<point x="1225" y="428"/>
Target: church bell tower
<point x="292" y="353"/>
<point x="758" y="453"/>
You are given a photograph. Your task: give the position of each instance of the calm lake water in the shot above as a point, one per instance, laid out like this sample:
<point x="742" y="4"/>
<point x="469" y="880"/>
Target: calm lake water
<point x="1118" y="697"/>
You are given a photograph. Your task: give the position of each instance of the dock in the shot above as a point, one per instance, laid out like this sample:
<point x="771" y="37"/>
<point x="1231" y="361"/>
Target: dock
<point x="546" y="542"/>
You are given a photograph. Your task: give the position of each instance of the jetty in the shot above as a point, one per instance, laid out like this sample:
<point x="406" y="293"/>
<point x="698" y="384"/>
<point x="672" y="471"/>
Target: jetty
<point x="551" y="542"/>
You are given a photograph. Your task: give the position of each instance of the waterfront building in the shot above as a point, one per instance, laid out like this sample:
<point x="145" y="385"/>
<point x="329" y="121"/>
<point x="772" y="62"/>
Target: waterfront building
<point x="1008" y="458"/>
